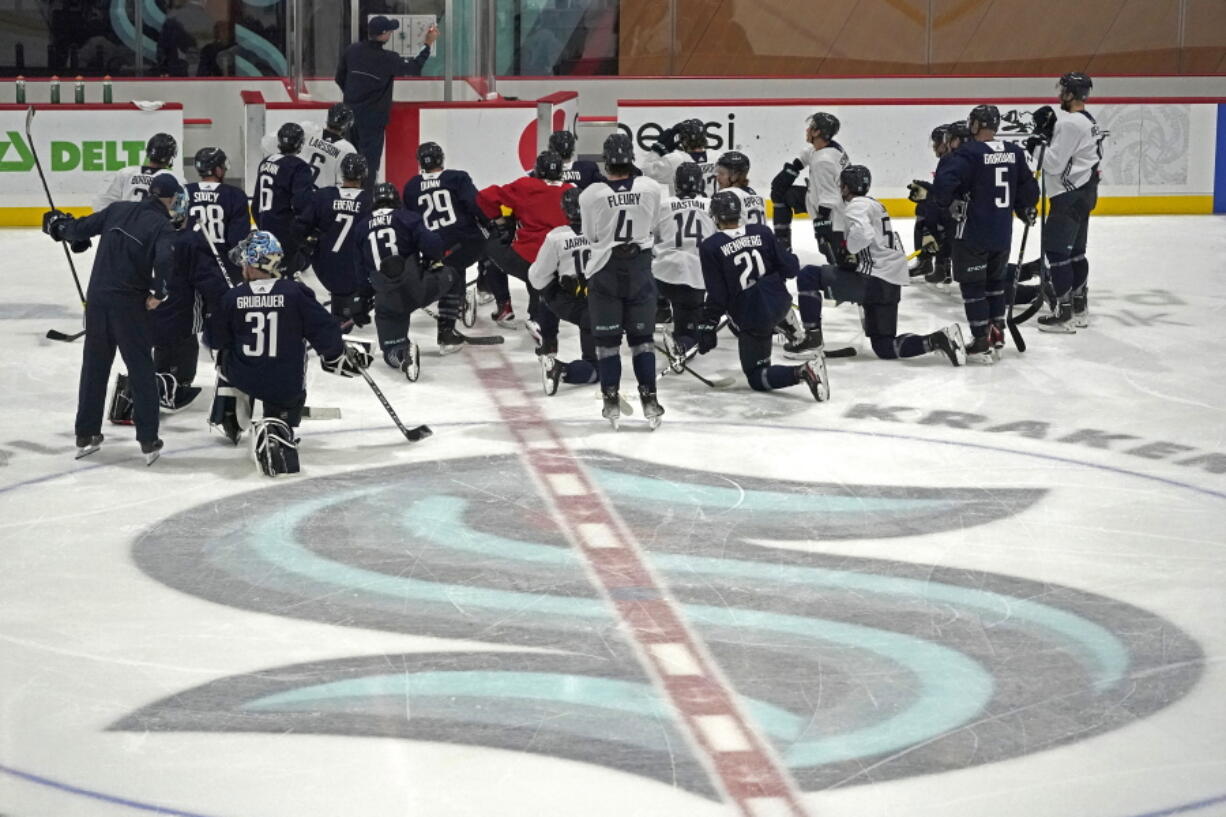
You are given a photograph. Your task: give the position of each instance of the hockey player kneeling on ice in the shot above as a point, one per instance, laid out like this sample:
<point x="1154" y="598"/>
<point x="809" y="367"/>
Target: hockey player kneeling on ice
<point x="618" y="217"/>
<point x="131" y="268"/>
<point x="263" y="327"/>
<point x="559" y="273"/>
<point x="580" y="172"/>
<point x="871" y="273"/>
<point x="683" y="223"/>
<point x="745" y="272"/>
<point x="330" y="244"/>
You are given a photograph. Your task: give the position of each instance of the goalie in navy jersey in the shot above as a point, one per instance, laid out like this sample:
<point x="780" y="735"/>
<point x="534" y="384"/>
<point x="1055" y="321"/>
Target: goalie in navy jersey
<point x="745" y="272"/>
<point x="446" y="200"/>
<point x="559" y="273"/>
<point x="871" y="273"/>
<point x="986" y="182"/>
<point x="263" y="327"/>
<point x="221" y="210"/>
<point x="329" y="224"/>
<point x="283" y="189"/>
<point x="404" y="262"/>
<point x="579" y="172"/>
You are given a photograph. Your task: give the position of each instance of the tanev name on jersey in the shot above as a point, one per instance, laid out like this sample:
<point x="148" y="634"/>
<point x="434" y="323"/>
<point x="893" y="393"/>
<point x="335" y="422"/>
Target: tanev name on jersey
<point x="259" y="301"/>
<point x="741" y="243"/>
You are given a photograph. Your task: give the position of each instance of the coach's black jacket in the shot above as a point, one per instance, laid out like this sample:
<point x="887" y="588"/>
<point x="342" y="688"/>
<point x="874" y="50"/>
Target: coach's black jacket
<point x="135" y="252"/>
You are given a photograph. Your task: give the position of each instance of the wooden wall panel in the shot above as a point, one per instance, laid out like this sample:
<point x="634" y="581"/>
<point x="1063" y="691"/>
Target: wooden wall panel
<point x="1204" y="38"/>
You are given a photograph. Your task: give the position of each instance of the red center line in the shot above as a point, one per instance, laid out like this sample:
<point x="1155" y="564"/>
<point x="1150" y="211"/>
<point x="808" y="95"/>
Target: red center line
<point x="741" y="763"/>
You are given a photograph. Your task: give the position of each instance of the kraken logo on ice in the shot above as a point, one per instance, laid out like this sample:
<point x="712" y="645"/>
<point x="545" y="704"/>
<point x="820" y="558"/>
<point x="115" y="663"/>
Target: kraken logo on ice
<point x="856" y="669"/>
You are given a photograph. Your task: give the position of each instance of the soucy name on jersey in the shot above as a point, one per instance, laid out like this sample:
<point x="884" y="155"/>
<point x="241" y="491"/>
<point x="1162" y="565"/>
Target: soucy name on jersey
<point x="741" y="243"/>
<point x="259" y="301"/>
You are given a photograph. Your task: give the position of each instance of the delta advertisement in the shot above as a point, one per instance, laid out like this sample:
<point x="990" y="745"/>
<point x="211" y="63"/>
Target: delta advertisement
<point x="1159" y="157"/>
<point x="79" y="148"/>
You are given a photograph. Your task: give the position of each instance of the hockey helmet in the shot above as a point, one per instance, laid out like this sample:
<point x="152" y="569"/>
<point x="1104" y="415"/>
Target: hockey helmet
<point x="570" y="206"/>
<point x="1075" y="84"/>
<point x="688" y="181"/>
<point x="856" y="179"/>
<point x="562" y="142"/>
<point x="262" y="250"/>
<point x="209" y="160"/>
<point x="939" y="135"/>
<point x="691" y="135"/>
<point x="549" y="166"/>
<point x="354" y="167"/>
<point x="986" y="116"/>
<point x="726" y="207"/>
<point x="957" y="132"/>
<point x="162" y="148"/>
<point x="290" y="137"/>
<point x="825" y="125"/>
<point x="618" y="149"/>
<point x="430" y="156"/>
<point x="386" y="196"/>
<point x="340" y="118"/>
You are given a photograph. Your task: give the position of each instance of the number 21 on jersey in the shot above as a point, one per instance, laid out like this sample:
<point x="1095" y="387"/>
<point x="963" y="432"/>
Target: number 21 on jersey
<point x="750" y="267"/>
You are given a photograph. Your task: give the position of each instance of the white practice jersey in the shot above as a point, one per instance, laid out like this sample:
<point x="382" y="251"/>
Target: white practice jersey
<point x="323" y="154"/>
<point x="753" y="206"/>
<point x="680" y="228"/>
<point x="1075" y="151"/>
<point x="619" y="212"/>
<point x="564" y="253"/>
<point x="663" y="169"/>
<point x="825" y="165"/>
<point x="129" y="184"/>
<point x="871" y="238"/>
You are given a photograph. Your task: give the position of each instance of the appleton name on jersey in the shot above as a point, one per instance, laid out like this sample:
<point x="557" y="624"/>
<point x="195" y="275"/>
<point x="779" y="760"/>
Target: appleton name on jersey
<point x="129" y="184"/>
<point x="320" y="149"/>
<point x="564" y="253"/>
<point x="753" y="206"/>
<point x="744" y="269"/>
<point x="871" y="238"/>
<point x="264" y="327"/>
<point x="1075" y="152"/>
<point x="994" y="180"/>
<point x="619" y="212"/>
<point x="680" y="228"/>
<point x="391" y="232"/>
<point x="447" y="204"/>
<point x="334" y="214"/>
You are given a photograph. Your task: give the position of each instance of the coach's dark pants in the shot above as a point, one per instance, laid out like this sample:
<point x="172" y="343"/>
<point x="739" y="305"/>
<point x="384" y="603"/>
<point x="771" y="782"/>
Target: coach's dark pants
<point x="117" y="321"/>
<point x="369" y="129"/>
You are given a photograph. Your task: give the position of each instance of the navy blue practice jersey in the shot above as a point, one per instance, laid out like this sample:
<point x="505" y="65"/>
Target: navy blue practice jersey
<point x="395" y="232"/>
<point x="194" y="289"/>
<point x="447" y="204"/>
<point x="263" y="328"/>
<point x="223" y="211"/>
<point x="744" y="270"/>
<point x="282" y="189"/>
<point x="994" y="181"/>
<point x="334" y="214"/>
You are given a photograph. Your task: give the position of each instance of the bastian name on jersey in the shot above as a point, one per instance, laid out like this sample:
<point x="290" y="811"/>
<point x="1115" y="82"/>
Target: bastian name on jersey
<point x="259" y="301"/>
<point x="741" y="243"/>
<point x="677" y="205"/>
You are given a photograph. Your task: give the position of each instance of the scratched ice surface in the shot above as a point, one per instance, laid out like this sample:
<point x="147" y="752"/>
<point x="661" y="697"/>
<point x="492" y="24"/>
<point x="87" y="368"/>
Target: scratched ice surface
<point x="987" y="591"/>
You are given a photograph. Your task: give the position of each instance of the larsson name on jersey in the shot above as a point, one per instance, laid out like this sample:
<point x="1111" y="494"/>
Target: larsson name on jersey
<point x="1006" y="158"/>
<point x="260" y="301"/>
<point x="741" y="243"/>
<point x="625" y="199"/>
<point x="321" y="146"/>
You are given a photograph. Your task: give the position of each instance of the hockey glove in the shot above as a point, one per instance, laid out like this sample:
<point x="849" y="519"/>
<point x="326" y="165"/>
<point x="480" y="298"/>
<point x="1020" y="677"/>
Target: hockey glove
<point x="823" y="226"/>
<point x="54" y="222"/>
<point x="573" y="285"/>
<point x="304" y="254"/>
<point x="707" y="338"/>
<point x="918" y="190"/>
<point x="1032" y="144"/>
<point x="784" y="179"/>
<point x="783" y="237"/>
<point x="667" y="142"/>
<point x="846" y="260"/>
<point x="82" y="245"/>
<point x="503" y="230"/>
<point x="929" y="244"/>
<point x="1044" y="122"/>
<point x="348" y="363"/>
<point x="1028" y="215"/>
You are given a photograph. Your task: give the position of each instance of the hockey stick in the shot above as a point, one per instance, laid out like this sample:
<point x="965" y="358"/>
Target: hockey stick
<point x="1018" y="341"/>
<point x="53" y="334"/>
<point x="321" y="413"/>
<point x="411" y="434"/>
<point x="717" y="383"/>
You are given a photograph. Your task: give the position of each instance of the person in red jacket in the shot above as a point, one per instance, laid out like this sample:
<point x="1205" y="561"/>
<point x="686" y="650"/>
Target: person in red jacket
<point x="536" y="203"/>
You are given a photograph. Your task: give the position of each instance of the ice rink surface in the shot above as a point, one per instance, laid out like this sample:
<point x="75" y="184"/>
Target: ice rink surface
<point x="995" y="591"/>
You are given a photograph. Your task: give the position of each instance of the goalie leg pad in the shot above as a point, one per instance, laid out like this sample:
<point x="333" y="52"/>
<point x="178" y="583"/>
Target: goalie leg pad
<point x="120" y="410"/>
<point x="274" y="447"/>
<point x="231" y="411"/>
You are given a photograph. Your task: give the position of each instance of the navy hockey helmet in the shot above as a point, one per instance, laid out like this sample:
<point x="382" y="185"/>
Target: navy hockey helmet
<point x="386" y="196"/>
<point x="726" y="206"/>
<point x="570" y="206"/>
<point x="354" y="167"/>
<point x="856" y="179"/>
<point x="825" y="125"/>
<point x="1075" y="84"/>
<point x="290" y="137"/>
<point x="549" y="166"/>
<point x="957" y="132"/>
<point x="209" y="160"/>
<point x="985" y="116"/>
<point x="430" y="156"/>
<point x="162" y="148"/>
<point x="691" y="135"/>
<point x="939" y="135"/>
<point x="562" y="142"/>
<point x="734" y="161"/>
<point x="688" y="181"/>
<point x="618" y="149"/>
<point x="340" y="118"/>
